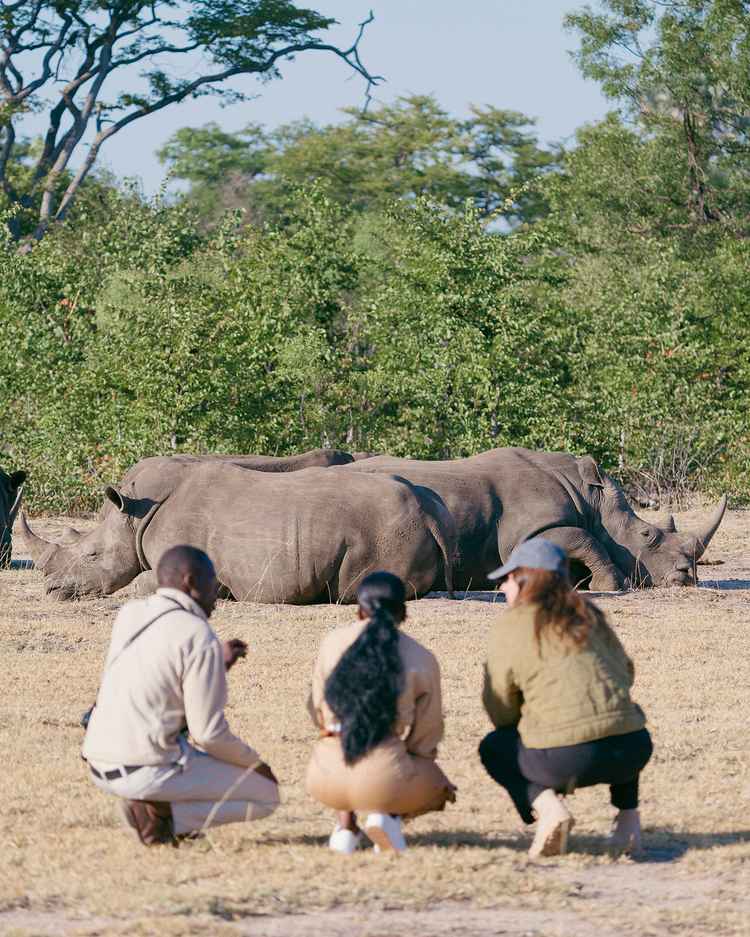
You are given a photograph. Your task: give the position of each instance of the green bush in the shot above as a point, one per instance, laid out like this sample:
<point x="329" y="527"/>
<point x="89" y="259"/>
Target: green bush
<point x="419" y="332"/>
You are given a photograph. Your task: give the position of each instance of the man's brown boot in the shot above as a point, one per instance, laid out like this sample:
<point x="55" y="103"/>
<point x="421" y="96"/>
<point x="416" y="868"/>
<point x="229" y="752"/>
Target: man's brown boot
<point x="152" y="821"/>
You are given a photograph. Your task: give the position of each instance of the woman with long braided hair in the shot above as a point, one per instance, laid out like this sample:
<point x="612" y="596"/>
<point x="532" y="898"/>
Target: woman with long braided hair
<point x="377" y="703"/>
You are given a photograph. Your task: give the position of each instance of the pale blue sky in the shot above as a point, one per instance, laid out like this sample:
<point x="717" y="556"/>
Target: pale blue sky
<point x="508" y="53"/>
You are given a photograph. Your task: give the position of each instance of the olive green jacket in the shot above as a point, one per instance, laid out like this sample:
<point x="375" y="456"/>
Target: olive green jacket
<point x="558" y="693"/>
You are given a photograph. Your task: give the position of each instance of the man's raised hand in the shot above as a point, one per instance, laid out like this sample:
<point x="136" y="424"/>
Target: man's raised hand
<point x="233" y="650"/>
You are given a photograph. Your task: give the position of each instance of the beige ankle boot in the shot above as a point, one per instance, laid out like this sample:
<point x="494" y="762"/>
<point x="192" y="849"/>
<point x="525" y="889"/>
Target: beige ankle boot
<point x="553" y="823"/>
<point x="625" y="837"/>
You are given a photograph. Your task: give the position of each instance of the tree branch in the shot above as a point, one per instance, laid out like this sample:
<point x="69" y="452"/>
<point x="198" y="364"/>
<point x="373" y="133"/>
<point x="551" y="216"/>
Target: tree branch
<point x="252" y="55"/>
<point x="5" y="154"/>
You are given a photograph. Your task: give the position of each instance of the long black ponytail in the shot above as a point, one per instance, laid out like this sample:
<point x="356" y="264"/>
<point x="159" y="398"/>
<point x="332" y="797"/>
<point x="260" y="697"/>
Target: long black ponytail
<point x="363" y="688"/>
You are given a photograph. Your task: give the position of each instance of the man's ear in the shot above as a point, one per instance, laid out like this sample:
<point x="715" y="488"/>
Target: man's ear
<point x="17" y="479"/>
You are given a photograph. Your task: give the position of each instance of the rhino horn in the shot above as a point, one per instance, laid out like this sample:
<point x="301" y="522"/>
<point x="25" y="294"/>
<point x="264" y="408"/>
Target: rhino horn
<point x="70" y="535"/>
<point x="37" y="546"/>
<point x="699" y="542"/>
<point x="667" y="524"/>
<point x="16" y="505"/>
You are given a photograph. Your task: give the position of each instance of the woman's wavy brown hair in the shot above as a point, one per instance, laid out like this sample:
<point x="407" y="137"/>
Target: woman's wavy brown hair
<point x="560" y="610"/>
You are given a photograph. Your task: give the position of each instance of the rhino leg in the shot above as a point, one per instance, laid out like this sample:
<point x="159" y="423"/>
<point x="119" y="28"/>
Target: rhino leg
<point x="583" y="548"/>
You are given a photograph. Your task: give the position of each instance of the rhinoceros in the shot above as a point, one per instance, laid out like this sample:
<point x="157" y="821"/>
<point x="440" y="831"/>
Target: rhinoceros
<point x="157" y="476"/>
<point x="298" y="538"/>
<point x="315" y="458"/>
<point x="502" y="497"/>
<point x="11" y="492"/>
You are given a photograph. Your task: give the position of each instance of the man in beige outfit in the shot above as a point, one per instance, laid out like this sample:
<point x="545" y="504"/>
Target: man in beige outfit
<point x="164" y="677"/>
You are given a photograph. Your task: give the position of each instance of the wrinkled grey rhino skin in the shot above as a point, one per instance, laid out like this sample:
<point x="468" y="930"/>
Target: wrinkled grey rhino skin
<point x="156" y="477"/>
<point x="11" y="492"/>
<point x="298" y="538"/>
<point x="502" y="497"/>
<point x="166" y="471"/>
<point x="315" y="458"/>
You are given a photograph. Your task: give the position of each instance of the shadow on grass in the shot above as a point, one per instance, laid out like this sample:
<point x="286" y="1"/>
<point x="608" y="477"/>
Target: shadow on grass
<point x="660" y="844"/>
<point x="449" y="839"/>
<point x="493" y="598"/>
<point x="664" y="845"/>
<point x="725" y="585"/>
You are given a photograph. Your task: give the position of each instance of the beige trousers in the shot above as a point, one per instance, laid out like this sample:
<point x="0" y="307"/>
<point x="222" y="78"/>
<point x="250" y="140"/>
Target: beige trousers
<point x="204" y="792"/>
<point x="387" y="780"/>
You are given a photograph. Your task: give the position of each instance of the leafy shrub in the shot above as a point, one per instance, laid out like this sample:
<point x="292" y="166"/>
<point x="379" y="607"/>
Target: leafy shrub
<point x="128" y="333"/>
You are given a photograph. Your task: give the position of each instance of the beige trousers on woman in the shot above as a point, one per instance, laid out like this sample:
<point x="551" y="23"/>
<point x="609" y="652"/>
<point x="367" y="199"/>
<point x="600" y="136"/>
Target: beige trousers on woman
<point x="387" y="780"/>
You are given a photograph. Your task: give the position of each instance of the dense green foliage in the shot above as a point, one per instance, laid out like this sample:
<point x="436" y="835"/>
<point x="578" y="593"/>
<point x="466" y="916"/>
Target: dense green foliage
<point x="404" y="150"/>
<point x="382" y="307"/>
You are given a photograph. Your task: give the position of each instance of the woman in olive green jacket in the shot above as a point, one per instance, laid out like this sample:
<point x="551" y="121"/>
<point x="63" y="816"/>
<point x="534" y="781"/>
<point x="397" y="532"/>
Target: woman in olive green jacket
<point x="557" y="689"/>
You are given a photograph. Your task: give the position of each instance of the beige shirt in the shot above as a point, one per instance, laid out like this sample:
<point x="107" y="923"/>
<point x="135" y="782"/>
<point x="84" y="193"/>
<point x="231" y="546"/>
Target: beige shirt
<point x="419" y="718"/>
<point x="172" y="675"/>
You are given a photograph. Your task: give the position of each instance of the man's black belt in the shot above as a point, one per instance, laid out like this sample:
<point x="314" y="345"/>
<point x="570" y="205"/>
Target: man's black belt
<point x="115" y="773"/>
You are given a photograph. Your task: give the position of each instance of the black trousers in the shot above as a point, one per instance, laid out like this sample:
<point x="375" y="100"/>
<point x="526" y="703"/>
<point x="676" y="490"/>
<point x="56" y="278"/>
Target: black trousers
<point x="525" y="772"/>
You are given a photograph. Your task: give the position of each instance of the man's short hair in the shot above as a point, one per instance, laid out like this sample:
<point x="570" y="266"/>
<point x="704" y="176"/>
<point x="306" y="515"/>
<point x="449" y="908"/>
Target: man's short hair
<point x="177" y="562"/>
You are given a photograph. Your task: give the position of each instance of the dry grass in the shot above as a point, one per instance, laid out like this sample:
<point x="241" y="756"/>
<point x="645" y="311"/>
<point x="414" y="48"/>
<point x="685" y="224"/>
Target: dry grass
<point x="67" y="867"/>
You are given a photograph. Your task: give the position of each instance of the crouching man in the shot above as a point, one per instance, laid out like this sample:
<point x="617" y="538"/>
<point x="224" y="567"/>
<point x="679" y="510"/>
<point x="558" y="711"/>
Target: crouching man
<point x="166" y="673"/>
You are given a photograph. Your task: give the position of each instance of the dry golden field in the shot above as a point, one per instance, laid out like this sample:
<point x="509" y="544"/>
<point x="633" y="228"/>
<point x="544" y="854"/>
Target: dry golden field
<point x="67" y="867"/>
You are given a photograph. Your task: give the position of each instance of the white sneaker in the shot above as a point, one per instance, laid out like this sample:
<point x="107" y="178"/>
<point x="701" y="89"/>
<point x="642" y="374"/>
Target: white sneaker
<point x="344" y="841"/>
<point x="385" y="832"/>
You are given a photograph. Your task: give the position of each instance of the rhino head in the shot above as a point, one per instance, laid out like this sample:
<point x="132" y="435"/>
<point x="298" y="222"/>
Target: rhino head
<point x="11" y="492"/>
<point x="98" y="562"/>
<point x="652" y="554"/>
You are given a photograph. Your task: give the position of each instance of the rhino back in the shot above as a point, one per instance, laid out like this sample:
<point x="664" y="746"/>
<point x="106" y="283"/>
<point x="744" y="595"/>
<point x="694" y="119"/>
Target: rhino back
<point x="497" y="498"/>
<point x="156" y="476"/>
<point x="296" y="538"/>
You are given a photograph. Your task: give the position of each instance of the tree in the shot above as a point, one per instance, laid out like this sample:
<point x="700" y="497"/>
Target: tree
<point x="407" y="149"/>
<point x="680" y="69"/>
<point x="74" y="52"/>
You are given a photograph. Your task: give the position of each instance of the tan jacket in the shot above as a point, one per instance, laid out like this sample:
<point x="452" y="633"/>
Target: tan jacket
<point x="419" y="720"/>
<point x="172" y="675"/>
<point x="558" y="694"/>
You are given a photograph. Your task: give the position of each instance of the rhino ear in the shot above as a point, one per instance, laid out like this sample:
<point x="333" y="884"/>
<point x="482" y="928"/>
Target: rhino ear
<point x="17" y="479"/>
<point x="589" y="471"/>
<point x="120" y="501"/>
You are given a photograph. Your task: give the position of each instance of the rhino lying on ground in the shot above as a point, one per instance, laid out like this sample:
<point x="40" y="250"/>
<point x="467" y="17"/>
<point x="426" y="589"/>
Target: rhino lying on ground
<point x="157" y="476"/>
<point x="502" y="497"/>
<point x="299" y="538"/>
<point x="11" y="492"/>
<point x="315" y="458"/>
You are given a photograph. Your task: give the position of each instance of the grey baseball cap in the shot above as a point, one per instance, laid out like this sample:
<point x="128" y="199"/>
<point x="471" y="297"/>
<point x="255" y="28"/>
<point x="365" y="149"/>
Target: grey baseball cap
<point x="536" y="553"/>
